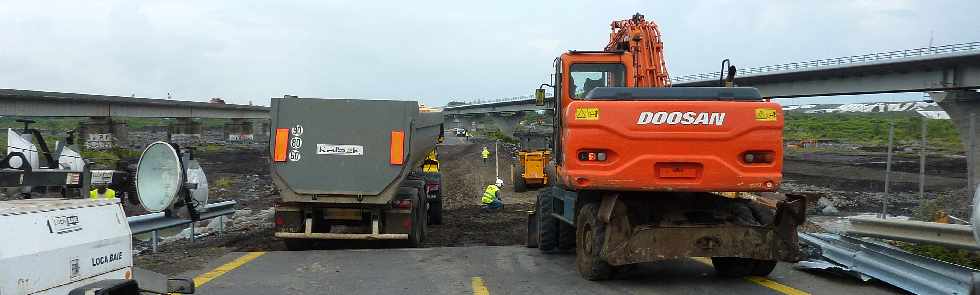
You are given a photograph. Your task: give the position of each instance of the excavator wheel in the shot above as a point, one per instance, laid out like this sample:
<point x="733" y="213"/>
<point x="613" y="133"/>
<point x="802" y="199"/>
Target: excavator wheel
<point x="547" y="224"/>
<point x="520" y="184"/>
<point x="590" y="235"/>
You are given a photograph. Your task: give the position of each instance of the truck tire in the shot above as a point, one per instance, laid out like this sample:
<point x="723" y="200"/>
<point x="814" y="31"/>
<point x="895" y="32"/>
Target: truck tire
<point x="590" y="234"/>
<point x="733" y="266"/>
<point x="763" y="267"/>
<point x="520" y="185"/>
<point x="435" y="209"/>
<point x="298" y="244"/>
<point x="415" y="234"/>
<point x="547" y="225"/>
<point x="566" y="236"/>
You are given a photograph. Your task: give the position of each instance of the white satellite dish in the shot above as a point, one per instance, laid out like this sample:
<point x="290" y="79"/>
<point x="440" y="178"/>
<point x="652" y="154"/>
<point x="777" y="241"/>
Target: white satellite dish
<point x="159" y="177"/>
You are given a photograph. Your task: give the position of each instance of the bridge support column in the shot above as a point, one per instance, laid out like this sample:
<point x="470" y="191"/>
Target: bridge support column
<point x="506" y="122"/>
<point x="102" y="133"/>
<point x="239" y="131"/>
<point x="186" y="132"/>
<point x="961" y="105"/>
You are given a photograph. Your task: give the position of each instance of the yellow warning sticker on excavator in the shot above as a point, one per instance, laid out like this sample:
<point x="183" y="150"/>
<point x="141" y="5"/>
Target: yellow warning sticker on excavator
<point x="765" y="115"/>
<point x="590" y="114"/>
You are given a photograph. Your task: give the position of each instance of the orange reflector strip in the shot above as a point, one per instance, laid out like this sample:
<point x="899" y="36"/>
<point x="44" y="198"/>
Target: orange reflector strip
<point x="397" y="147"/>
<point x="282" y="140"/>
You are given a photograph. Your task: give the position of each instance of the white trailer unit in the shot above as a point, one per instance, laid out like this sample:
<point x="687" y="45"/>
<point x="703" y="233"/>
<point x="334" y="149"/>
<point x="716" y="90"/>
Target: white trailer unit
<point x="53" y="246"/>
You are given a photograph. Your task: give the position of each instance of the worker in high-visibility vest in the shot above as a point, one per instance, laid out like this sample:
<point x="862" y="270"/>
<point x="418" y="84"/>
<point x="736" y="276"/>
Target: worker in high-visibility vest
<point x="485" y="154"/>
<point x="491" y="196"/>
<point x="102" y="192"/>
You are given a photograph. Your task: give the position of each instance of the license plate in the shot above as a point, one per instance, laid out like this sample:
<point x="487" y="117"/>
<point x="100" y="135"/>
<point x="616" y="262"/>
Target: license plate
<point x="678" y="170"/>
<point x="343" y="214"/>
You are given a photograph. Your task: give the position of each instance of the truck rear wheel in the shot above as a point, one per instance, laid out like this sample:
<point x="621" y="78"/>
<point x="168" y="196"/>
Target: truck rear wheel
<point x="590" y="234"/>
<point x="520" y="184"/>
<point x="547" y="224"/>
<point x="417" y="233"/>
<point x="435" y="209"/>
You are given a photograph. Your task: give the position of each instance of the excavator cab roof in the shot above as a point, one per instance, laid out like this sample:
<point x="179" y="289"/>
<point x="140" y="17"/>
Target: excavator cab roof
<point x="674" y="93"/>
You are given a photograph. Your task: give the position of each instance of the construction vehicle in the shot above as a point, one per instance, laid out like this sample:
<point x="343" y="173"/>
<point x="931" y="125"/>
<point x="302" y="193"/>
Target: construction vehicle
<point x="533" y="154"/>
<point x="352" y="169"/>
<point x="638" y="164"/>
<point x="84" y="246"/>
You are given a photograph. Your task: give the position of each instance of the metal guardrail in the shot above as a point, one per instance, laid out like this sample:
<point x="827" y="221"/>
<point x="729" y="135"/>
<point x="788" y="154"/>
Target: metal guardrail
<point x="506" y="99"/>
<point x="952" y="235"/>
<point x="925" y="51"/>
<point x="913" y="273"/>
<point x="154" y="222"/>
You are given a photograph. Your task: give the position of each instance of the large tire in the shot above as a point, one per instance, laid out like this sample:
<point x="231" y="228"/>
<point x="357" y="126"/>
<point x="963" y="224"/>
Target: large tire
<point x="733" y="266"/>
<point x="435" y="209"/>
<point x="415" y="233"/>
<point x="520" y="184"/>
<point x="591" y="234"/>
<point x="298" y="244"/>
<point x="547" y="224"/>
<point x="566" y="236"/>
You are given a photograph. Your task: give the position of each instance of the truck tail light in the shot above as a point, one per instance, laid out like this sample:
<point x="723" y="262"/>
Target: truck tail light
<point x="280" y="144"/>
<point x="758" y="157"/>
<point x="397" y="147"/>
<point x="403" y="204"/>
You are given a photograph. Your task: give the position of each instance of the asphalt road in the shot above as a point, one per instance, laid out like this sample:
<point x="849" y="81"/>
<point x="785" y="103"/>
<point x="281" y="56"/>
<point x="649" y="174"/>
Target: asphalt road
<point x="488" y="270"/>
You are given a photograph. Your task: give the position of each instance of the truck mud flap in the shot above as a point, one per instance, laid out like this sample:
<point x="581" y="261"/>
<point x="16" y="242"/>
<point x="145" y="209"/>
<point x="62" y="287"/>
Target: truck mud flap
<point x="647" y="243"/>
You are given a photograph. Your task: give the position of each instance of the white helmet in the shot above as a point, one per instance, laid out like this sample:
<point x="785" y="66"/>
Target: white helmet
<point x="500" y="182"/>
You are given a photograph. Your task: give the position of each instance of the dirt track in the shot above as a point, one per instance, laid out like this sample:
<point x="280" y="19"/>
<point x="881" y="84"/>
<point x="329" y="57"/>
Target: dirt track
<point x="464" y="178"/>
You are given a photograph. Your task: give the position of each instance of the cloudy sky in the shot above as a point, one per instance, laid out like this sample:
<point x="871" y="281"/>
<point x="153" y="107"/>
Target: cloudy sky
<point x="248" y="51"/>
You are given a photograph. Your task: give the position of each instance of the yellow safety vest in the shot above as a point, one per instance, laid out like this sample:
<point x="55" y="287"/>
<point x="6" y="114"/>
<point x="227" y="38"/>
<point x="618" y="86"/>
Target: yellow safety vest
<point x="486" y="153"/>
<point x="109" y="194"/>
<point x="490" y="194"/>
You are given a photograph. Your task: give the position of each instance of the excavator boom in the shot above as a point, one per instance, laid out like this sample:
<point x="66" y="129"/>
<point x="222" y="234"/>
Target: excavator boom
<point x="641" y="38"/>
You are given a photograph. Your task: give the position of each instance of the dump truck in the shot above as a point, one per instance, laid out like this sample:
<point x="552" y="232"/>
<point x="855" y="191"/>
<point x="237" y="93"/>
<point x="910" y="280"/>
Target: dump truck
<point x="349" y="169"/>
<point x="646" y="172"/>
<point x="533" y="154"/>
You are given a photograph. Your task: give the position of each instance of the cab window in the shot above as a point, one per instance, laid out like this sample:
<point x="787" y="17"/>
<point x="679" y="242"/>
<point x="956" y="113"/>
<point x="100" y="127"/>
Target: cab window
<point x="585" y="77"/>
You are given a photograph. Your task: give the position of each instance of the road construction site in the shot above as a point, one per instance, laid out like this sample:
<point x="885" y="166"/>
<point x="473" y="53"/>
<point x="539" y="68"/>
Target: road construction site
<point x="472" y="244"/>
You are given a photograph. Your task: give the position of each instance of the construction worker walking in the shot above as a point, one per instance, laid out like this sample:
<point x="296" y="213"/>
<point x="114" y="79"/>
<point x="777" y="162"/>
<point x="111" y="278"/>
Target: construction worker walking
<point x="102" y="192"/>
<point x="491" y="196"/>
<point x="486" y="154"/>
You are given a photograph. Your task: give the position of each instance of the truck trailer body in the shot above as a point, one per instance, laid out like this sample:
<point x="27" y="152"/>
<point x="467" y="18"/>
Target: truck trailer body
<point x="350" y="169"/>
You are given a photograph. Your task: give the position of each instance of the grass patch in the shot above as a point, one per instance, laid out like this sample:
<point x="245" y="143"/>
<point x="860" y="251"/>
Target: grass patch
<point x="954" y="256"/>
<point x="871" y="129"/>
<point x="223" y="183"/>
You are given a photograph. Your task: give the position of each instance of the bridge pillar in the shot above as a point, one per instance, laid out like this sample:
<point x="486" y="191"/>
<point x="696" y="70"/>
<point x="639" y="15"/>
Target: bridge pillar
<point x="186" y="132"/>
<point x="506" y="122"/>
<point x="961" y="105"/>
<point x="239" y="131"/>
<point x="102" y="133"/>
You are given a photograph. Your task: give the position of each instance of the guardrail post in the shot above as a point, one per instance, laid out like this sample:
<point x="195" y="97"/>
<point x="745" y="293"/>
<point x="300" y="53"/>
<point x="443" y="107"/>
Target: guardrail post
<point x="156" y="240"/>
<point x="221" y="224"/>
<point x="192" y="231"/>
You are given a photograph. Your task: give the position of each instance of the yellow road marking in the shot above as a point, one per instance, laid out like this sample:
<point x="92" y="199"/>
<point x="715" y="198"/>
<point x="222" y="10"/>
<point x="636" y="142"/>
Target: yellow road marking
<point x="761" y="281"/>
<point x="221" y="270"/>
<point x="479" y="288"/>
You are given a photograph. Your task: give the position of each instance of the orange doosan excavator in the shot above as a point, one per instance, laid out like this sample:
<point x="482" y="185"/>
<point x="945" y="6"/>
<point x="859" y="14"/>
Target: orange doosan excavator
<point x="648" y="172"/>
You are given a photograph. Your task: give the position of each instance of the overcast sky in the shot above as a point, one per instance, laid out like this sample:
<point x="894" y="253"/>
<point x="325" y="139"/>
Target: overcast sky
<point x="247" y="51"/>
